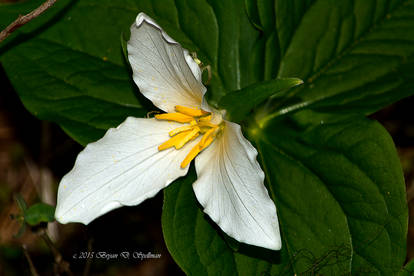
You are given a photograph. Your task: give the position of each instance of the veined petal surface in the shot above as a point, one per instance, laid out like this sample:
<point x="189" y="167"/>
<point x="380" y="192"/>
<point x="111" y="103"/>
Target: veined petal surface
<point x="231" y="190"/>
<point x="125" y="167"/>
<point x="164" y="72"/>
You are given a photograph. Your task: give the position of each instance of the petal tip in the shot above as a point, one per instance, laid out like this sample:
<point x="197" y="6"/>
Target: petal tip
<point x="142" y="17"/>
<point x="276" y="244"/>
<point x="273" y="243"/>
<point x="64" y="217"/>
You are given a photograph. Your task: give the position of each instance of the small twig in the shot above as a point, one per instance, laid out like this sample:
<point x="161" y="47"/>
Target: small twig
<point x="23" y="19"/>
<point x="62" y="265"/>
<point x="33" y="270"/>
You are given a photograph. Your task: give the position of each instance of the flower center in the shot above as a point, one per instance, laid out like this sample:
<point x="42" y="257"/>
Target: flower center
<point x="197" y="122"/>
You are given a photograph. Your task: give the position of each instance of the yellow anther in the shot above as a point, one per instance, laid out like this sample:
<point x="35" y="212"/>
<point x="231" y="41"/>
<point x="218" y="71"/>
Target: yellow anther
<point x="206" y="124"/>
<point x="196" y="150"/>
<point x="179" y="140"/>
<point x="177" y="117"/>
<point x="190" y="111"/>
<point x="190" y="136"/>
<point x="174" y="140"/>
<point x="199" y="121"/>
<point x="205" y="118"/>
<point x="180" y="129"/>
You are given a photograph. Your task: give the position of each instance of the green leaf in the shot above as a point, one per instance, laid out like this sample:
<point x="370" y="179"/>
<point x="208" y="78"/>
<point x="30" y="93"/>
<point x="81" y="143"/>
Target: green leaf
<point x="359" y="56"/>
<point x="354" y="166"/>
<point x="289" y="15"/>
<point x="340" y="211"/>
<point x="235" y="38"/>
<point x="253" y="13"/>
<point x="239" y="103"/>
<point x="77" y="79"/>
<point x="262" y="15"/>
<point x="39" y="212"/>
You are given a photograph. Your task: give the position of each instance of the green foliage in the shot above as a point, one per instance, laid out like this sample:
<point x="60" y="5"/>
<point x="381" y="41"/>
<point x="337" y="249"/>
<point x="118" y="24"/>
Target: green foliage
<point x="359" y="56"/>
<point x="333" y="174"/>
<point x="75" y="78"/>
<point x="239" y="103"/>
<point x="39" y="212"/>
<point x="338" y="183"/>
<point x="33" y="215"/>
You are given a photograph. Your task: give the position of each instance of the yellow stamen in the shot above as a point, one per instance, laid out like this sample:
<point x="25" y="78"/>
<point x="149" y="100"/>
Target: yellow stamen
<point x="205" y="118"/>
<point x="199" y="121"/>
<point x="206" y="124"/>
<point x="190" y="111"/>
<point x="174" y="140"/>
<point x="196" y="150"/>
<point x="190" y="136"/>
<point x="179" y="140"/>
<point x="178" y="117"/>
<point x="180" y="129"/>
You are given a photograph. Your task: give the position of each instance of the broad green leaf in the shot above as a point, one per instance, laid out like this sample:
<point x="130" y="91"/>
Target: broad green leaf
<point x="262" y="15"/>
<point x="340" y="210"/>
<point x="84" y="94"/>
<point x="337" y="158"/>
<point x="235" y="44"/>
<point x="68" y="67"/>
<point x="288" y="16"/>
<point x="39" y="212"/>
<point x="239" y="103"/>
<point x="277" y="20"/>
<point x="253" y="14"/>
<point x="353" y="56"/>
<point x="75" y="78"/>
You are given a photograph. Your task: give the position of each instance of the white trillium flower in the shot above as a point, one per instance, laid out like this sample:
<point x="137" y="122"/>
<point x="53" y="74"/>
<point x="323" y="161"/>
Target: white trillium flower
<point x="141" y="156"/>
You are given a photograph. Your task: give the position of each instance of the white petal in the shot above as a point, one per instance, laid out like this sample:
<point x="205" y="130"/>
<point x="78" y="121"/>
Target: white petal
<point x="231" y="190"/>
<point x="162" y="69"/>
<point x="123" y="168"/>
